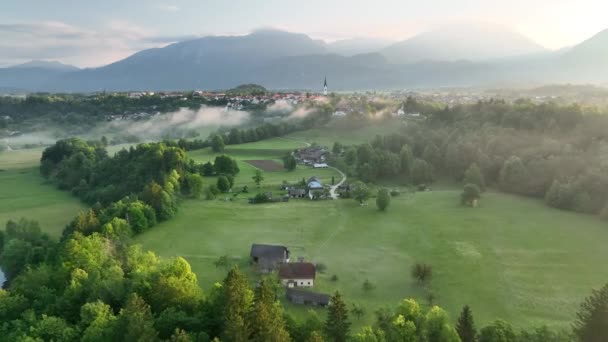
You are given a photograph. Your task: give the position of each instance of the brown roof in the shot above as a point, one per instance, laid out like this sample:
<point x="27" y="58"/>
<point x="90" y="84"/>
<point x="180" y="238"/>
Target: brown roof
<point x="297" y="270"/>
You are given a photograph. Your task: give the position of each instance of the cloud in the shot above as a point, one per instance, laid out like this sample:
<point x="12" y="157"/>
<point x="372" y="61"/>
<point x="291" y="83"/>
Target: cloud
<point x="52" y="40"/>
<point x="167" y="8"/>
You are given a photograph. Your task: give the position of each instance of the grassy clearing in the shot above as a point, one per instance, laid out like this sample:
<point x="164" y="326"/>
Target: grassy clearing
<point x="24" y="193"/>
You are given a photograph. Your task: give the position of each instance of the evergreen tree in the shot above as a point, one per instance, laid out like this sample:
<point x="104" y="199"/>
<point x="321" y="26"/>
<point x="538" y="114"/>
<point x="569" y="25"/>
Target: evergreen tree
<point x="267" y="315"/>
<point x="591" y="323"/>
<point x="465" y="325"/>
<point x="237" y="298"/>
<point x="136" y="321"/>
<point x="470" y="194"/>
<point x="337" y="325"/>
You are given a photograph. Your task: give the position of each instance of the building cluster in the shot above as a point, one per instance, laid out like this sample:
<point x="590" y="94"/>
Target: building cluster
<point x="294" y="276"/>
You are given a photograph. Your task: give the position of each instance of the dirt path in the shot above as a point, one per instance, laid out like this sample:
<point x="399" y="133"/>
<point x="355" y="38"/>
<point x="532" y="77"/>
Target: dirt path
<point x="332" y="190"/>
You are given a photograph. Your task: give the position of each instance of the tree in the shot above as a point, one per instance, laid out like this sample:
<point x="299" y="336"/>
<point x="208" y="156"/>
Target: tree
<point x="193" y="185"/>
<point x="438" y="328"/>
<point x="498" y="331"/>
<point x="237" y="301"/>
<point x="383" y="199"/>
<point x="470" y="195"/>
<point x="315" y="336"/>
<point x="591" y="324"/>
<point x="473" y="175"/>
<point x="466" y="326"/>
<point x="289" y="162"/>
<point x="407" y="160"/>
<point x="514" y="176"/>
<point x="217" y="143"/>
<point x="337" y="325"/>
<point x="337" y="148"/>
<point x="358" y="311"/>
<point x="422" y="172"/>
<point x="333" y="180"/>
<point x="258" y="177"/>
<point x="136" y="322"/>
<point x="223" y="184"/>
<point x="422" y="272"/>
<point x="360" y="192"/>
<point x="267" y="316"/>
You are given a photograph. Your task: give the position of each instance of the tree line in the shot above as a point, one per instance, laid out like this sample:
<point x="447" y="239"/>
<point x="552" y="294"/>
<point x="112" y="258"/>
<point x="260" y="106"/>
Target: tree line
<point x="555" y="152"/>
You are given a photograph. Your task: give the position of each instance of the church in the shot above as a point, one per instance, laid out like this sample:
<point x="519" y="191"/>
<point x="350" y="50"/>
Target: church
<point x="325" y="86"/>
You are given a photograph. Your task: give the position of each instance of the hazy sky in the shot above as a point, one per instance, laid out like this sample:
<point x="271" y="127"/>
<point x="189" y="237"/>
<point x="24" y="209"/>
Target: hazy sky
<point x="92" y="33"/>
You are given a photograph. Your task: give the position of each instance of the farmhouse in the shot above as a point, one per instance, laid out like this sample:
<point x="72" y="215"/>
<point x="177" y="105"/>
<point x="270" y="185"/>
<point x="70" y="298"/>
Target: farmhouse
<point x="311" y="155"/>
<point x="314" y="184"/>
<point x="297" y="296"/>
<point x="268" y="257"/>
<point x="297" y="274"/>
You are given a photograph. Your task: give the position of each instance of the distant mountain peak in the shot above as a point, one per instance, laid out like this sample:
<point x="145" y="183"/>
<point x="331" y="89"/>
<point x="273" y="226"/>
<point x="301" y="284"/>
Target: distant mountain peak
<point x="48" y="65"/>
<point x="469" y="41"/>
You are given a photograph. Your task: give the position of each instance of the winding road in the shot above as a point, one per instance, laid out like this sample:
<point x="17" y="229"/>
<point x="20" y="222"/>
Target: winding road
<point x="332" y="190"/>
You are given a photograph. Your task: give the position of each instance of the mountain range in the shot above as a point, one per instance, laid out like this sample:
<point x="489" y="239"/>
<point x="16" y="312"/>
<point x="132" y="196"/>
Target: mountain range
<point x="466" y="55"/>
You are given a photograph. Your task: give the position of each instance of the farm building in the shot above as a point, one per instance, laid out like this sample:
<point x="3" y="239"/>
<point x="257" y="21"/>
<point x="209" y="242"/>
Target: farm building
<point x="320" y="166"/>
<point x="296" y="193"/>
<point x="311" y="155"/>
<point x="314" y="184"/>
<point x="268" y="257"/>
<point x="297" y="296"/>
<point x="297" y="274"/>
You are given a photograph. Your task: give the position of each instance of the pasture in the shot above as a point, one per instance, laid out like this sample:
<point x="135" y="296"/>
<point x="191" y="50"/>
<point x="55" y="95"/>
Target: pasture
<point x="512" y="257"/>
<point x="24" y="193"/>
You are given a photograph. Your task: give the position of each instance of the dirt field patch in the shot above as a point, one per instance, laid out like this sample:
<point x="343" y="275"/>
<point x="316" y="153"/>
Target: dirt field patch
<point x="266" y="165"/>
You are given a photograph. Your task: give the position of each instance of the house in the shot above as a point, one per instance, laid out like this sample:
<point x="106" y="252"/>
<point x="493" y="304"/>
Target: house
<point x="268" y="257"/>
<point x="320" y="166"/>
<point x="310" y="155"/>
<point x="314" y="184"/>
<point x="297" y="274"/>
<point x="297" y="296"/>
<point x="296" y="193"/>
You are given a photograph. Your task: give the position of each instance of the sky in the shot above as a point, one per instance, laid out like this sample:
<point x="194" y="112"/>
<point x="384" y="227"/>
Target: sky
<point x="90" y="33"/>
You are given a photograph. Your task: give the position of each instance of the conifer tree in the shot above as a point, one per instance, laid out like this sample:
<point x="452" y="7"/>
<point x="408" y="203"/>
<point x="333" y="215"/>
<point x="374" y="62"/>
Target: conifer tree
<point x="337" y="325"/>
<point x="237" y="304"/>
<point x="267" y="315"/>
<point x="466" y="326"/>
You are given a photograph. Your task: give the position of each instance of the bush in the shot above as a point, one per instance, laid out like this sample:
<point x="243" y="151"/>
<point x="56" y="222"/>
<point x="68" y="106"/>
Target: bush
<point x="261" y="198"/>
<point x="321" y="268"/>
<point x="334" y="278"/>
<point x="395" y="193"/>
<point x="470" y="194"/>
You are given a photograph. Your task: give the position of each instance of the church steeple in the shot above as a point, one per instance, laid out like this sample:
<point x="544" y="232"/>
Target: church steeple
<point x="325" y="86"/>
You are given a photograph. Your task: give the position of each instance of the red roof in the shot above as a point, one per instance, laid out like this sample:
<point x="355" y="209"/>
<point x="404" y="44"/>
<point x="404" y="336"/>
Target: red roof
<point x="297" y="270"/>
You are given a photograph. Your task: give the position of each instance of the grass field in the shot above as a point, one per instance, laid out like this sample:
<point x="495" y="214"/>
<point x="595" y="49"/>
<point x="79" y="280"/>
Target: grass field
<point x="512" y="258"/>
<point x="24" y="193"/>
<point x="272" y="149"/>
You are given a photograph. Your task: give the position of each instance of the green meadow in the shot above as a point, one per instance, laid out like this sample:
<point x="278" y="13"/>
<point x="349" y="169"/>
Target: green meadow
<point x="24" y="193"/>
<point x="512" y="257"/>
